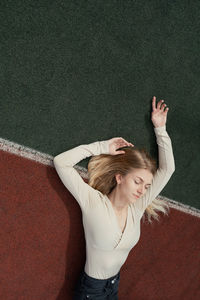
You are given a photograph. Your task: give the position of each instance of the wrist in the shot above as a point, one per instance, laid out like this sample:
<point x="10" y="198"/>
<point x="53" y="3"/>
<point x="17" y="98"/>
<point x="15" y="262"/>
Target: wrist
<point x="159" y="125"/>
<point x="160" y="129"/>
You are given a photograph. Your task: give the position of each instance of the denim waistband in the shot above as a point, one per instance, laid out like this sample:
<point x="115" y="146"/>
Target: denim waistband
<point x="91" y="286"/>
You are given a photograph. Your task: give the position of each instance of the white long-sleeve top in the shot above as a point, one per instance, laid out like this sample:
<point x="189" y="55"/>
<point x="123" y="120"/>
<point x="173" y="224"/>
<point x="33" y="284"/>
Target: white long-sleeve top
<point x="106" y="246"/>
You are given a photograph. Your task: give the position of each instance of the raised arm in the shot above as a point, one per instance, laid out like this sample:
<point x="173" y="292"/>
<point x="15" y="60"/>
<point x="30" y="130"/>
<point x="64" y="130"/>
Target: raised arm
<point x="166" y="157"/>
<point x="165" y="170"/>
<point x="64" y="165"/>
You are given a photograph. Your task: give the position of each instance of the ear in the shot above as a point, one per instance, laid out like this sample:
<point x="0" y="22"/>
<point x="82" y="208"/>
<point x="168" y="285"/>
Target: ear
<point x="118" y="178"/>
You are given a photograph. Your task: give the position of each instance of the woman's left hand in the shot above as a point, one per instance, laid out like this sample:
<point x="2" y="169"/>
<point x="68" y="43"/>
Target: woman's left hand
<point x="159" y="115"/>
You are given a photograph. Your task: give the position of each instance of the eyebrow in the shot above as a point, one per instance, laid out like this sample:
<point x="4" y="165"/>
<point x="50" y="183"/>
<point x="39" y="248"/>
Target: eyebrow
<point x="143" y="180"/>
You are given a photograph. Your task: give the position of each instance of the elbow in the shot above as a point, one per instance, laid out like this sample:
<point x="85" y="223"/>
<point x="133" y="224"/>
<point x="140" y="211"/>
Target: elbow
<point x="167" y="171"/>
<point x="171" y="170"/>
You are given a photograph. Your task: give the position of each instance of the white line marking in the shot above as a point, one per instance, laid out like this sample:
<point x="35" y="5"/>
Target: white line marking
<point x="47" y="159"/>
<point x="26" y="152"/>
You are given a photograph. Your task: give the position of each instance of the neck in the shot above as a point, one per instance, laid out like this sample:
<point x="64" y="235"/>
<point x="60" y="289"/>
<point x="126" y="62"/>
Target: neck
<point x="119" y="205"/>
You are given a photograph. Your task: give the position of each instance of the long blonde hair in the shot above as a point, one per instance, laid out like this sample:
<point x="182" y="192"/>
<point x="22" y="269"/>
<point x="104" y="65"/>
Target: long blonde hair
<point x="102" y="169"/>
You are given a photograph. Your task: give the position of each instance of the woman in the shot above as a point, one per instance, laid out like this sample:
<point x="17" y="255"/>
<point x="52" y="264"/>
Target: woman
<point x="123" y="184"/>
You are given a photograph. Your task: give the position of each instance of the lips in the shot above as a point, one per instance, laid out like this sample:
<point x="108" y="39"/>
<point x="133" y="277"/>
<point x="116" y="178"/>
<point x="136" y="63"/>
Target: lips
<point x="136" y="196"/>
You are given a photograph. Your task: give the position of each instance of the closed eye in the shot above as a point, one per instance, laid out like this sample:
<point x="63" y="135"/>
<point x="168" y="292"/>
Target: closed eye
<point x="139" y="183"/>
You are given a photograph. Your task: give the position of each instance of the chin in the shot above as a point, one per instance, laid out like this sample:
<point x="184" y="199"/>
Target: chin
<point x="134" y="200"/>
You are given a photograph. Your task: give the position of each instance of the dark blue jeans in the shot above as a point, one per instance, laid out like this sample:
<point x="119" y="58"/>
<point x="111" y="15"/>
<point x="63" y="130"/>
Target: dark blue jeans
<point x="96" y="289"/>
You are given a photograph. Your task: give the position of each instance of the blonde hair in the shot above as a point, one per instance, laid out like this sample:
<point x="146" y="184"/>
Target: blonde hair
<point x="102" y="169"/>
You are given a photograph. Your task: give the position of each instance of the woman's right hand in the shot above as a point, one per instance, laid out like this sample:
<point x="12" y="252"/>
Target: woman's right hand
<point x="116" y="143"/>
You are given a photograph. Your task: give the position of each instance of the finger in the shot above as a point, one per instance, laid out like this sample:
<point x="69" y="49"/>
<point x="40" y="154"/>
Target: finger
<point x="163" y="106"/>
<point x="120" y="152"/>
<point x="154" y="103"/>
<point x="127" y="143"/>
<point x="123" y="142"/>
<point x="159" y="104"/>
<point x="166" y="110"/>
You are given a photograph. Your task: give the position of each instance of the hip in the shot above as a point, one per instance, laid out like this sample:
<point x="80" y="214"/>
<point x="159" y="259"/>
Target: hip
<point x="98" y="289"/>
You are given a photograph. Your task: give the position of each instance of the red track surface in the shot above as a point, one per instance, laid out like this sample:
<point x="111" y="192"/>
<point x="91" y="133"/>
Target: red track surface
<point x="42" y="248"/>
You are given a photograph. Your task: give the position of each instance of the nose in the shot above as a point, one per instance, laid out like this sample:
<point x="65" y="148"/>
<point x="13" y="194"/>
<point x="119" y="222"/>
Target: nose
<point x="141" y="190"/>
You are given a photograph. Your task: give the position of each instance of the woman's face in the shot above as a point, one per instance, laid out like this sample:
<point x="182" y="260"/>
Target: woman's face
<point x="135" y="184"/>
